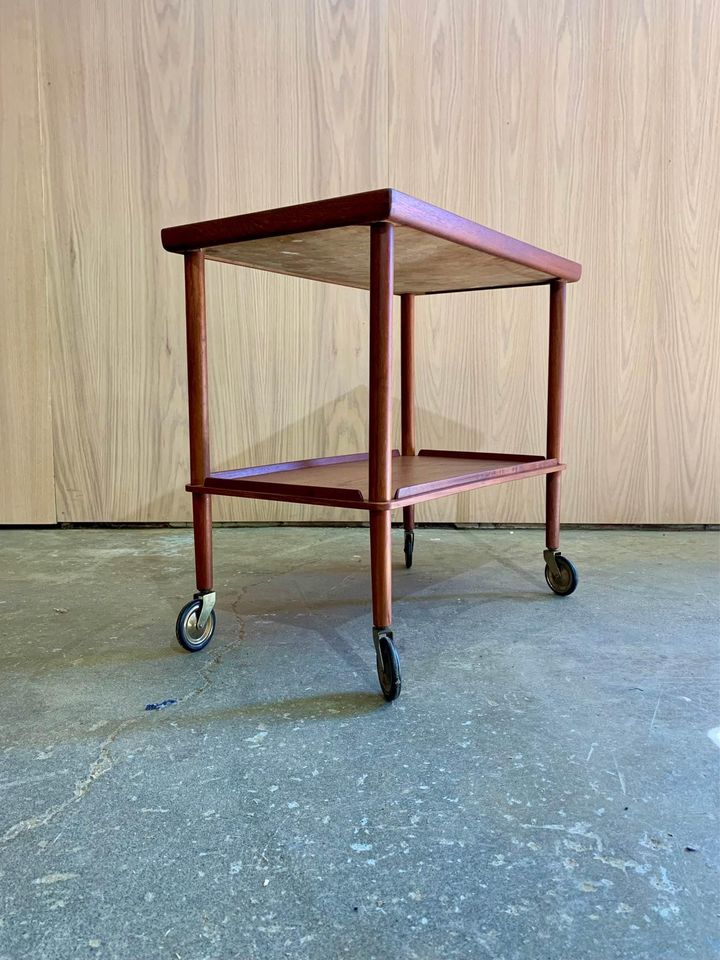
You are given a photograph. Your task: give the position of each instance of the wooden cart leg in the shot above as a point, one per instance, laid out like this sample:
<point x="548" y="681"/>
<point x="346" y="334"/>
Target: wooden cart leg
<point x="380" y="452"/>
<point x="409" y="519"/>
<point x="380" y="413"/>
<point x="381" y="568"/>
<point x="196" y="622"/>
<point x="555" y="411"/>
<point x="560" y="574"/>
<point x="202" y="537"/>
<point x="407" y="406"/>
<point x="552" y="511"/>
<point x="198" y="409"/>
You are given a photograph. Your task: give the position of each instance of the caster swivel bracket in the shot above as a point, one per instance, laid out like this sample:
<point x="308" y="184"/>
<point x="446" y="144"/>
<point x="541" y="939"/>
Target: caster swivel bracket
<point x="379" y="632"/>
<point x="208" y="602"/>
<point x="551" y="560"/>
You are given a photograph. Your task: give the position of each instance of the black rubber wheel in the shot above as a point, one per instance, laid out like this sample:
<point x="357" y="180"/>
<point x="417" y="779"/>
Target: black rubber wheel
<point x="187" y="631"/>
<point x="566" y="582"/>
<point x="409" y="544"/>
<point x="388" y="668"/>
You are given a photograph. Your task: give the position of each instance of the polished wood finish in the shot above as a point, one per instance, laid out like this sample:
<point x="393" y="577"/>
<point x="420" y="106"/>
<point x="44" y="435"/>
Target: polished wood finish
<point x="292" y="465"/>
<point x="435" y="250"/>
<point x="509" y="458"/>
<point x="319" y="215"/>
<point x="556" y="379"/>
<point x="353" y="480"/>
<point x="407" y="389"/>
<point x="439" y="476"/>
<point x="556" y="370"/>
<point x="344" y="481"/>
<point x="196" y="334"/>
<point x="474" y="481"/>
<point x="426" y="217"/>
<point x="380" y="373"/>
<point x="336" y="481"/>
<point x="27" y="488"/>
<point x="407" y="374"/>
<point x="202" y="540"/>
<point x="340" y="497"/>
<point x="380" y="458"/>
<point x="198" y="410"/>
<point x="381" y="567"/>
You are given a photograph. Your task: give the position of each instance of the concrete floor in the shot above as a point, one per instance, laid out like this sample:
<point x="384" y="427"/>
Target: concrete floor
<point x="546" y="786"/>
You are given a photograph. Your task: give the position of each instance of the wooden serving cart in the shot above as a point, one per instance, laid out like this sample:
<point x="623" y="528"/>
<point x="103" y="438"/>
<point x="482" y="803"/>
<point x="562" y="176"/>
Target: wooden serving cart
<point x="390" y="244"/>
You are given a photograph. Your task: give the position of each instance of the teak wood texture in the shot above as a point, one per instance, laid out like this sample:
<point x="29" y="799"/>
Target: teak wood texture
<point x="356" y="481"/>
<point x="583" y="127"/>
<point x="435" y="251"/>
<point x="343" y="481"/>
<point x="383" y="480"/>
<point x="198" y="413"/>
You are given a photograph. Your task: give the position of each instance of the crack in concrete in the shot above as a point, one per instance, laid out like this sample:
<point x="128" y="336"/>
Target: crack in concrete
<point x="207" y="672"/>
<point x="104" y="761"/>
<point x="100" y="766"/>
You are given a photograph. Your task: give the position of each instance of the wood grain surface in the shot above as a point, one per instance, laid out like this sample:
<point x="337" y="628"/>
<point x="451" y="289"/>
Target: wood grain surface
<point x="26" y="464"/>
<point x="589" y="129"/>
<point x="586" y="128"/>
<point x="338" y="480"/>
<point x="438" y="248"/>
<point x="175" y="112"/>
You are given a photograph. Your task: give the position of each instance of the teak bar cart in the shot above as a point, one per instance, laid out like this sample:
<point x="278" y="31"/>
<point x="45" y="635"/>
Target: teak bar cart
<point x="390" y="244"/>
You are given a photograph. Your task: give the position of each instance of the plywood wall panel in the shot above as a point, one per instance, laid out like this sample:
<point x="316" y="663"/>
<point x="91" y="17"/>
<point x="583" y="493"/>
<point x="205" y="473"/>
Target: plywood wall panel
<point x="586" y="128"/>
<point x="26" y="465"/>
<point x="466" y="130"/>
<point x="173" y="112"/>
<point x="686" y="330"/>
<point x="288" y="357"/>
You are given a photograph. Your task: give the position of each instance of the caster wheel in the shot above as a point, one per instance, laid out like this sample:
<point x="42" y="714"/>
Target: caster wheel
<point x="187" y="631"/>
<point x="388" y="667"/>
<point x="566" y="582"/>
<point x="409" y="544"/>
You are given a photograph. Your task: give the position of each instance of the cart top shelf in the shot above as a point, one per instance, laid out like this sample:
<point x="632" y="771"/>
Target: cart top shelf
<point x="329" y="240"/>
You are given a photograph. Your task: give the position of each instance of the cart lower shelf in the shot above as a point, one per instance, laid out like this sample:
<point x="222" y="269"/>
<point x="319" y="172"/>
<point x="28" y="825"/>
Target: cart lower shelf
<point x="343" y="481"/>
